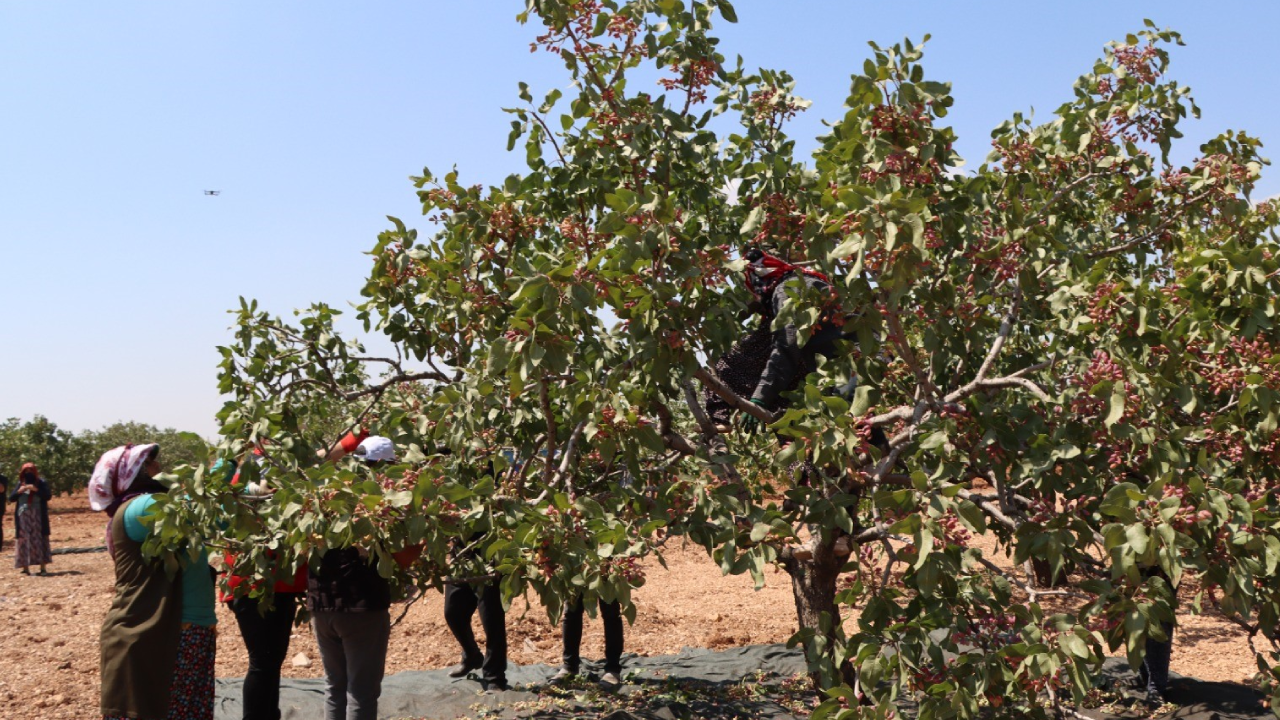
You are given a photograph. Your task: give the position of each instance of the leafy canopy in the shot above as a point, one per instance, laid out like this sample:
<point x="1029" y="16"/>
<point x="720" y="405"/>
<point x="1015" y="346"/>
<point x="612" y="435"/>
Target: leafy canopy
<point x="1071" y="349"/>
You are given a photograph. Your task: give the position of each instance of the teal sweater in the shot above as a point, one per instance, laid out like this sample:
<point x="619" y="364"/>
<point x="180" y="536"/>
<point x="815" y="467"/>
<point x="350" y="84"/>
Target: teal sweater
<point x="197" y="580"/>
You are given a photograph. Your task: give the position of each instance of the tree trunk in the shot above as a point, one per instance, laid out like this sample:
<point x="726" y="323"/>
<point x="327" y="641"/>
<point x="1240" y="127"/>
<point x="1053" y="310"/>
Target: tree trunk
<point x="813" y="586"/>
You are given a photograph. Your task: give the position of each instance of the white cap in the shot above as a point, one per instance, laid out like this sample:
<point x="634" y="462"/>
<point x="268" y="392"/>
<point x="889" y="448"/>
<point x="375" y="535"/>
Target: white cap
<point x="376" y="448"/>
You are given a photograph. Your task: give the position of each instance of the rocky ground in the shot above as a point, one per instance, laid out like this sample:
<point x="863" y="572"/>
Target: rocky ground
<point x="49" y="651"/>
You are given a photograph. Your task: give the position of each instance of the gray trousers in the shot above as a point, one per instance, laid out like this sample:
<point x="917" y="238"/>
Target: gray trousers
<point x="353" y="650"/>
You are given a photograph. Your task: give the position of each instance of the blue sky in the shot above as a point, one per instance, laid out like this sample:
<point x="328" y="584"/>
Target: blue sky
<point x="309" y="117"/>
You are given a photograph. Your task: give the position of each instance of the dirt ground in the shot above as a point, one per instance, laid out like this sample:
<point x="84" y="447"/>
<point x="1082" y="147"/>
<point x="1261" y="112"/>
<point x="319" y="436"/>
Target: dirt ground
<point x="49" y="650"/>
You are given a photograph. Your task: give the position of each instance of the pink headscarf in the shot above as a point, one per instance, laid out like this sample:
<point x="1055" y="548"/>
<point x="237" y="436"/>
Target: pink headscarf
<point x="115" y="473"/>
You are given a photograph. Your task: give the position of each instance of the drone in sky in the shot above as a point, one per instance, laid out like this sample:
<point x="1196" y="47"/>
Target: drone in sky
<point x="212" y="192"/>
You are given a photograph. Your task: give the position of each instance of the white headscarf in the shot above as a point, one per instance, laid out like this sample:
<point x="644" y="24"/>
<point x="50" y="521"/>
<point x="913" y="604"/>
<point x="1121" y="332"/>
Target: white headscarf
<point x="115" y="473"/>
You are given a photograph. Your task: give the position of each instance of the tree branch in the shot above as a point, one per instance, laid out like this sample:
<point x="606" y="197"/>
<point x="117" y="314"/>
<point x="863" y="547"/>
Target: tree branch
<point x="718" y="387"/>
<point x="552" y="430"/>
<point x="395" y="380"/>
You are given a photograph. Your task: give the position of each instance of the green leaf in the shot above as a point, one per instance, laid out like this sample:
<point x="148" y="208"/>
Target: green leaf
<point x="1115" y="407"/>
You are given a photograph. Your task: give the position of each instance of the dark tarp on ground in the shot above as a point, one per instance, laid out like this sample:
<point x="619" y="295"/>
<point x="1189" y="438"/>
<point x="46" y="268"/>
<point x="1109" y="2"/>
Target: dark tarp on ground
<point x="432" y="694"/>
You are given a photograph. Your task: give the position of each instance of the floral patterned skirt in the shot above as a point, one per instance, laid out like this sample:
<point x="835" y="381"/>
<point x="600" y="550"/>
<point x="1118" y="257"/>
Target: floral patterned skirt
<point x="32" y="546"/>
<point x="191" y="695"/>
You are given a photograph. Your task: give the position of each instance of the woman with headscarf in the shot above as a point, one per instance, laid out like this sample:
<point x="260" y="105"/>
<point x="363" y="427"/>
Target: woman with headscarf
<point x="31" y="521"/>
<point x="158" y="638"/>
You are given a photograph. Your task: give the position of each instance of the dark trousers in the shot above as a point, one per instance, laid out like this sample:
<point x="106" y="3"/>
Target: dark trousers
<point x="353" y="650"/>
<point x="266" y="637"/>
<point x="571" y="628"/>
<point x="1155" y="665"/>
<point x="460" y="603"/>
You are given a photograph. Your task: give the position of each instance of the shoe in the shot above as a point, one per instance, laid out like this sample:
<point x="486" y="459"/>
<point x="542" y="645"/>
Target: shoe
<point x="610" y="678"/>
<point x="493" y="686"/>
<point x="562" y="675"/>
<point x="1152" y="699"/>
<point x="462" y="669"/>
<point x="26" y="571"/>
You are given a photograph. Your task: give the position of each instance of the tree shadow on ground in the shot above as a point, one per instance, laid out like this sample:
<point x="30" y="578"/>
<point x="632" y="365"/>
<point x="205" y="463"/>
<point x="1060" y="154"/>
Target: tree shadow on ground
<point x="1209" y="632"/>
<point x="60" y="573"/>
<point x="1189" y="699"/>
<point x="672" y="698"/>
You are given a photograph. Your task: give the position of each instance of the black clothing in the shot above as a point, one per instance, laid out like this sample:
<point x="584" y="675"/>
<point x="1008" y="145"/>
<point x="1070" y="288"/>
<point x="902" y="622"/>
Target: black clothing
<point x="767" y="362"/>
<point x="4" y="497"/>
<point x="347" y="582"/>
<point x="42" y="489"/>
<point x="788" y="361"/>
<point x="571" y="628"/>
<point x="1155" y="664"/>
<point x="266" y="637"/>
<point x="460" y="603"/>
<point x="740" y="369"/>
<point x="1154" y="672"/>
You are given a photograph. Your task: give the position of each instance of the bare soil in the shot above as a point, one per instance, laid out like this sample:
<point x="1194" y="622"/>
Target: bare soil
<point x="49" y="651"/>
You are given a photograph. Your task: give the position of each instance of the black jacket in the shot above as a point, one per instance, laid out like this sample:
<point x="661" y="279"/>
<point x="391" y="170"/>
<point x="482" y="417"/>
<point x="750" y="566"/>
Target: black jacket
<point x="787" y="358"/>
<point x="347" y="582"/>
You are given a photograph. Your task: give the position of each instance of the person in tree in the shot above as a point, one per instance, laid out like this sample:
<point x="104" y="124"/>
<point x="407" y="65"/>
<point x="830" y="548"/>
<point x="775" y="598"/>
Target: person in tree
<point x="31" y="521"/>
<point x="770" y="360"/>
<point x="266" y="633"/>
<point x="158" y="639"/>
<point x="461" y="602"/>
<point x="350" y="606"/>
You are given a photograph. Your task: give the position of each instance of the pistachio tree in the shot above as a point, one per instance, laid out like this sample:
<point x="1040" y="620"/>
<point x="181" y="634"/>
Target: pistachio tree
<point x="1069" y="350"/>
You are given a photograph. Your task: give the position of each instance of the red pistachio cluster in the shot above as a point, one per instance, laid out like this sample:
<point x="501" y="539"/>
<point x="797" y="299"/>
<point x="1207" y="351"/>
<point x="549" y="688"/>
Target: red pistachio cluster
<point x="693" y="77"/>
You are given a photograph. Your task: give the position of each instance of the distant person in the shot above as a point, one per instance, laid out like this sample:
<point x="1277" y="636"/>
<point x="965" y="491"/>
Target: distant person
<point x="350" y="615"/>
<point x="31" y="521"/>
<point x="571" y="630"/>
<point x="158" y="639"/>
<point x="4" y="498"/>
<point x="266" y="631"/>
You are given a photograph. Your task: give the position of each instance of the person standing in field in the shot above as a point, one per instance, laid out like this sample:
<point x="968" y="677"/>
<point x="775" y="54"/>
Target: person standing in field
<point x="461" y="602"/>
<point x="571" y="631"/>
<point x="350" y="615"/>
<point x="158" y="637"/>
<point x="4" y="498"/>
<point x="266" y="631"/>
<point x="31" y="521"/>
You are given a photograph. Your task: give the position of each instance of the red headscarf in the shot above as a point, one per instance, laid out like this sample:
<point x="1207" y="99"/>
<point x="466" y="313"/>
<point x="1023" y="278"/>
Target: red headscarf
<point x="28" y="469"/>
<point x="765" y="271"/>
